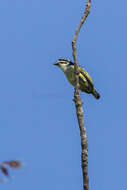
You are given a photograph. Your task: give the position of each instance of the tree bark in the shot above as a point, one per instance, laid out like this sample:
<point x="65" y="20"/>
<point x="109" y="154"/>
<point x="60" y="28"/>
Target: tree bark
<point x="78" y="103"/>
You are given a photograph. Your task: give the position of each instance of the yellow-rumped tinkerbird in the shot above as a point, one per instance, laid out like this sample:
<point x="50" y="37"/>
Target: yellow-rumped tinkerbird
<point x="85" y="81"/>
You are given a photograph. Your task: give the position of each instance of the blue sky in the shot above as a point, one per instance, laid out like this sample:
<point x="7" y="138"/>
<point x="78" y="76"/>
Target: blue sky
<point x="37" y="115"/>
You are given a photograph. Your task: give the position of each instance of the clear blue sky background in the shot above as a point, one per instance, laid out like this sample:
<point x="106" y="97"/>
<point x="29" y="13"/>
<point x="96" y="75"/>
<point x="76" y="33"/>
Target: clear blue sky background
<point x="37" y="115"/>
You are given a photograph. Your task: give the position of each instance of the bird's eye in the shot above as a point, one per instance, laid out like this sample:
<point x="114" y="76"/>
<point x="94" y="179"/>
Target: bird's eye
<point x="63" y="63"/>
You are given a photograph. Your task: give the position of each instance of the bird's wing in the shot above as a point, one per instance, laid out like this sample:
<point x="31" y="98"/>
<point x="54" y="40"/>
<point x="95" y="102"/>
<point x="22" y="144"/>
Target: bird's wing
<point x="85" y="76"/>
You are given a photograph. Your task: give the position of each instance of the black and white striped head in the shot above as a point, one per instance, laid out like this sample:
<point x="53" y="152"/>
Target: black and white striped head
<point x="64" y="64"/>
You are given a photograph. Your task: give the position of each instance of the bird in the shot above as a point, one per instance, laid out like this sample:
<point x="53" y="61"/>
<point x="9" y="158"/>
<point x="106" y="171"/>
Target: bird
<point x="85" y="81"/>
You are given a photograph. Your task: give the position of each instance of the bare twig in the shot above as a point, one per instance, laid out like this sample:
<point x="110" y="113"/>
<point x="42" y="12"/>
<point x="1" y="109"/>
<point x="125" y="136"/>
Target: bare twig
<point x="78" y="103"/>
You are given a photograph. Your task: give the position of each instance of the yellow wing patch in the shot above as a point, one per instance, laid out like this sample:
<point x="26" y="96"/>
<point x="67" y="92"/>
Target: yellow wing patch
<point x="82" y="76"/>
<point x="82" y="71"/>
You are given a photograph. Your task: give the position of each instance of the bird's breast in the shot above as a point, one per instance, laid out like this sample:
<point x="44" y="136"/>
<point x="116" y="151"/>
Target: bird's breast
<point x="70" y="77"/>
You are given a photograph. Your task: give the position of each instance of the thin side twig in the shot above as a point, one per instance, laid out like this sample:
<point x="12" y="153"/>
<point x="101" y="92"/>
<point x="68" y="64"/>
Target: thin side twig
<point x="78" y="104"/>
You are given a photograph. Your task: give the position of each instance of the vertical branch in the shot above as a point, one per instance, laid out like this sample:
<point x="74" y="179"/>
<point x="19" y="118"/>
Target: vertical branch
<point x="78" y="104"/>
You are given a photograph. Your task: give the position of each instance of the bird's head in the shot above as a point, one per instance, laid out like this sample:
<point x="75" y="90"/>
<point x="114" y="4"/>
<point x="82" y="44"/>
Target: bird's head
<point x="64" y="64"/>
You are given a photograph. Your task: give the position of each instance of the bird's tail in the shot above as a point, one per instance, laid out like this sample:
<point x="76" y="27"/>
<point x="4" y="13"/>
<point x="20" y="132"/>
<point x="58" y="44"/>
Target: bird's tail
<point x="96" y="94"/>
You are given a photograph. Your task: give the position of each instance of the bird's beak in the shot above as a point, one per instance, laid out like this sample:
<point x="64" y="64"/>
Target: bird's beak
<point x="57" y="64"/>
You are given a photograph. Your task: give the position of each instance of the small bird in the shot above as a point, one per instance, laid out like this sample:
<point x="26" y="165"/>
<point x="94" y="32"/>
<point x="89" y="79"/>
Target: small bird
<point x="85" y="81"/>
